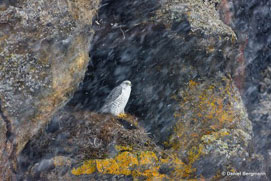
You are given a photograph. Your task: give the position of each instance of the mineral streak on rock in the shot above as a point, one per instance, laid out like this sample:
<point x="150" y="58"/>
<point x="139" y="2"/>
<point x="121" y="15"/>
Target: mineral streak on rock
<point x="44" y="54"/>
<point x="226" y="9"/>
<point x="225" y="12"/>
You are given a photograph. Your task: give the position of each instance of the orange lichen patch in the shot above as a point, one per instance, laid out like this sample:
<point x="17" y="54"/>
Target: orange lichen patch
<point x="148" y="165"/>
<point x="215" y="108"/>
<point x="192" y="83"/>
<point x="123" y="148"/>
<point x="144" y="164"/>
<point x="88" y="167"/>
<point x="194" y="153"/>
<point x="147" y="157"/>
<point x="139" y="164"/>
<point x="126" y="162"/>
<point x="152" y="173"/>
<point x="205" y="107"/>
<point x="107" y="166"/>
<point x="177" y="166"/>
<point x="186" y="170"/>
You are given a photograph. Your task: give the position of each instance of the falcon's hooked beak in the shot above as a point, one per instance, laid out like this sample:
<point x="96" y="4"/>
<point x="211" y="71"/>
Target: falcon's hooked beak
<point x="127" y="82"/>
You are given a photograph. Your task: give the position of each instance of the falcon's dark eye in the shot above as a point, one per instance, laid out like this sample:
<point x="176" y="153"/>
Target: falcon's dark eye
<point x="127" y="83"/>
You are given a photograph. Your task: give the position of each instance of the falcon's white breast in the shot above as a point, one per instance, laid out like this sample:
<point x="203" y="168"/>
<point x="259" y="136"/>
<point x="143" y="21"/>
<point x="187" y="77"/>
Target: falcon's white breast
<point x="117" y="99"/>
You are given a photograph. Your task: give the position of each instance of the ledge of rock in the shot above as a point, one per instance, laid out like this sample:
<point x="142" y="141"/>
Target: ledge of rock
<point x="44" y="52"/>
<point x="201" y="15"/>
<point x="78" y="136"/>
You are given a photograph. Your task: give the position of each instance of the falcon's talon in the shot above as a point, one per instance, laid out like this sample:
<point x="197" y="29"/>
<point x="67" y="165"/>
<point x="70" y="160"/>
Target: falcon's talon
<point x="122" y="115"/>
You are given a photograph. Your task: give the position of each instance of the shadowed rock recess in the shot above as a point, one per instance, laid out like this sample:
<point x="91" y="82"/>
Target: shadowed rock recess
<point x="186" y="117"/>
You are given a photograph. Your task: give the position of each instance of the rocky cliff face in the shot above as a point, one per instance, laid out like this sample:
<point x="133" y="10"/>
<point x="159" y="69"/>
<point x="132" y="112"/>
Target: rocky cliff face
<point x="44" y="55"/>
<point x="176" y="53"/>
<point x="189" y="121"/>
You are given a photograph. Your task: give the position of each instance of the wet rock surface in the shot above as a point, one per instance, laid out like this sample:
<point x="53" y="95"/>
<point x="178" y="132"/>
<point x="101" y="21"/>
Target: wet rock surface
<point x="189" y="119"/>
<point x="44" y="54"/>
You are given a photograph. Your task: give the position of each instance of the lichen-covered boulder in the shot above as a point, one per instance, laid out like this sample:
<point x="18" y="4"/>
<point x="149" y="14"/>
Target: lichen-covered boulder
<point x="213" y="124"/>
<point x="44" y="48"/>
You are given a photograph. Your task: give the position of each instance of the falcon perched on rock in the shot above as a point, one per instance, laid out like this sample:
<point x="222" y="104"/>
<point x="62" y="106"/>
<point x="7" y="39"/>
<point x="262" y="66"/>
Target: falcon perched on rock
<point x="117" y="99"/>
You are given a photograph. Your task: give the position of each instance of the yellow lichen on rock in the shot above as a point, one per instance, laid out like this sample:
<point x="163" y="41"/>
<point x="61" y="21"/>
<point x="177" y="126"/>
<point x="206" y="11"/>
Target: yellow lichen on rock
<point x="211" y="105"/>
<point x="177" y="166"/>
<point x="88" y="167"/>
<point x="144" y="163"/>
<point x="207" y="106"/>
<point x="209" y="111"/>
<point x="194" y="153"/>
<point x="126" y="161"/>
<point x="123" y="148"/>
<point x="147" y="157"/>
<point x="148" y="165"/>
<point x="192" y="83"/>
<point x="107" y="166"/>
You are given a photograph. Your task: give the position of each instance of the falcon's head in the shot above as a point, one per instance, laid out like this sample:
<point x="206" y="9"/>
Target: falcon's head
<point x="126" y="83"/>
